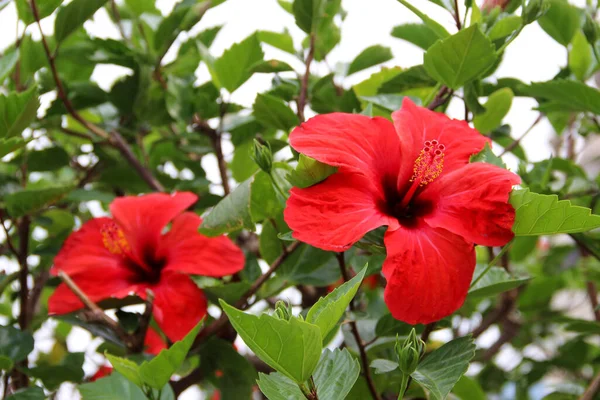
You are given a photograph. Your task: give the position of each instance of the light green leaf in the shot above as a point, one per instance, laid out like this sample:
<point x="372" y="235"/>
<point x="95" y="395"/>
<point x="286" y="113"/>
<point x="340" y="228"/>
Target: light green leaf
<point x="29" y="201"/>
<point x="383" y="366"/>
<point x="336" y="374"/>
<point x="561" y="21"/>
<point x="329" y="309"/>
<point x="271" y="66"/>
<point x="234" y="67"/>
<point x="389" y="102"/>
<point x="291" y="347"/>
<point x="277" y="386"/>
<point x="44" y="8"/>
<point x="17" y="110"/>
<point x="127" y="368"/>
<point x="496" y="108"/>
<point x="6" y="364"/>
<point x="566" y="94"/>
<point x="539" y="214"/>
<point x="113" y="387"/>
<point x="504" y="27"/>
<point x="369" y="57"/>
<point x="272" y="112"/>
<point x="242" y="166"/>
<point x="7" y="146"/>
<point x="184" y="16"/>
<point x="411" y="78"/>
<point x="580" y="56"/>
<point x="460" y="58"/>
<point x="441" y="369"/>
<point x="70" y="17"/>
<point x="468" y="389"/>
<point x="487" y="155"/>
<point x="438" y="29"/>
<point x="282" y="41"/>
<point x="309" y="172"/>
<point x="418" y="34"/>
<point x="495" y="281"/>
<point x="7" y="63"/>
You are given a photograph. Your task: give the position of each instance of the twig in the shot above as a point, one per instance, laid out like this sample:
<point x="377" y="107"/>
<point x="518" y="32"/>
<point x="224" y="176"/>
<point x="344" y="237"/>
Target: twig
<point x="516" y="142"/>
<point x="36" y="291"/>
<point x="593" y="295"/>
<point x="117" y="15"/>
<point x="9" y="242"/>
<point x="140" y="334"/>
<point x="202" y="126"/>
<point x="304" y="83"/>
<point x="443" y="95"/>
<point x="457" y="16"/>
<point x="503" y="309"/>
<point x="23" y="228"/>
<point x="592" y="389"/>
<point x="359" y="343"/>
<point x="510" y="329"/>
<point x="427" y="331"/>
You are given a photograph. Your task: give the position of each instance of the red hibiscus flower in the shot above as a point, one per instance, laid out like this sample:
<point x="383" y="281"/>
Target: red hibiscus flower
<point x="103" y="371"/>
<point x="129" y="253"/>
<point x="414" y="177"/>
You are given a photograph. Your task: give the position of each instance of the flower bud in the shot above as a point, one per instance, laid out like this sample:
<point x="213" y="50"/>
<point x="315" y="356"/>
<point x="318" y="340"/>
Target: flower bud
<point x="409" y="352"/>
<point x="534" y="10"/>
<point x="590" y="29"/>
<point x="283" y="310"/>
<point x="262" y="156"/>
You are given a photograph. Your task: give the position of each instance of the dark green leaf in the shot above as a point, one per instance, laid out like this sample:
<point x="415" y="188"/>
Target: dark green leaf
<point x="460" y="58"/>
<point x="291" y="347"/>
<point x="277" y="386"/>
<point x="29" y="201"/>
<point x="538" y="214"/>
<point x="272" y="112"/>
<point x="414" y="77"/>
<point x="441" y="369"/>
<point x="184" y="16"/>
<point x="383" y="366"/>
<point x="494" y="282"/>
<point x="468" y="389"/>
<point x="32" y="393"/>
<point x="70" y="17"/>
<point x="48" y="159"/>
<point x="312" y="14"/>
<point x="113" y="387"/>
<point x="44" y="8"/>
<point x="369" y="57"/>
<point x="271" y="66"/>
<point x="15" y="344"/>
<point x="418" y="34"/>
<point x="70" y="369"/>
<point x="17" y="110"/>
<point x="335" y="375"/>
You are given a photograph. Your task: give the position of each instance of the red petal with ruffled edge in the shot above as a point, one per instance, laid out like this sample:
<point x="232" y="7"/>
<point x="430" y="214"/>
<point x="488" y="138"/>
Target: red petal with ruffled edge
<point x="473" y="202"/>
<point x="98" y="272"/>
<point x="187" y="251"/>
<point x="352" y="141"/>
<point x="336" y="213"/>
<point x="415" y="125"/>
<point x="428" y="272"/>
<point x="178" y="304"/>
<point x="142" y="218"/>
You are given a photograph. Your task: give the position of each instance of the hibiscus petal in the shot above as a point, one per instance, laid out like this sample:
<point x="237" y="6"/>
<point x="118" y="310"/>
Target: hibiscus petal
<point x="357" y="142"/>
<point x="415" y="125"/>
<point x="142" y="218"/>
<point x="428" y="273"/>
<point x="98" y="283"/>
<point x="187" y="251"/>
<point x="153" y="342"/>
<point x="473" y="203"/>
<point x="178" y="304"/>
<point x="336" y="213"/>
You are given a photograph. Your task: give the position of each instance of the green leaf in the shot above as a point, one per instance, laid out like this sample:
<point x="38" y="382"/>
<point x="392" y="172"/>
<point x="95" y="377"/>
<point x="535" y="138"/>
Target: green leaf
<point x="113" y="387"/>
<point x="70" y="369"/>
<point x="6" y="364"/>
<point x="418" y="34"/>
<point x="567" y="94"/>
<point x="460" y="58"/>
<point x="242" y="166"/>
<point x="539" y="214"/>
<point x="580" y="56"/>
<point x="139" y="7"/>
<point x="441" y="369"/>
<point x="282" y="41"/>
<point x="70" y="17"/>
<point x="157" y="372"/>
<point x="17" y="110"/>
<point x="277" y="386"/>
<point x="309" y="172"/>
<point x="7" y="146"/>
<point x="310" y="15"/>
<point x="369" y="57"/>
<point x="32" y="393"/>
<point x="184" y="16"/>
<point x="272" y="112"/>
<point x="438" y="29"/>
<point x="7" y="63"/>
<point x="234" y="67"/>
<point x="495" y="281"/>
<point x="271" y="66"/>
<point x="336" y="374"/>
<point x="496" y="108"/>
<point x="468" y="389"/>
<point x="383" y="366"/>
<point x="329" y="309"/>
<point x="44" y="8"/>
<point x="504" y="27"/>
<point x="561" y="21"/>
<point x="291" y="347"/>
<point x="15" y="344"/>
<point x="29" y="201"/>
<point x="48" y="159"/>
<point x="389" y="102"/>
<point x="127" y="368"/>
<point x="487" y="155"/>
<point x="411" y="78"/>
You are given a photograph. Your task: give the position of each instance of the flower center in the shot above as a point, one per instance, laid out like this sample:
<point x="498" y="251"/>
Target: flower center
<point x="114" y="240"/>
<point x="428" y="166"/>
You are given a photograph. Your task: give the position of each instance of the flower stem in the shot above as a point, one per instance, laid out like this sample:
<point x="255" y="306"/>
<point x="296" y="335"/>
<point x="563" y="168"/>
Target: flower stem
<point x="403" y="386"/>
<point x="491" y="264"/>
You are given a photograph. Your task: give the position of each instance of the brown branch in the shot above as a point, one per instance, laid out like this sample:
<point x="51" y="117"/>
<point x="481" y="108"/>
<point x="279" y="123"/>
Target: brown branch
<point x="359" y="342"/>
<point x="214" y="136"/>
<point x="593" y="295"/>
<point x="35" y="293"/>
<point x="23" y="228"/>
<point x="510" y="329"/>
<point x="506" y="305"/>
<point x="304" y="82"/>
<point x="117" y="15"/>
<point x="9" y="242"/>
<point x="441" y="98"/>
<point x="115" y="139"/>
<point x="592" y="389"/>
<point x="427" y="331"/>
<point x="517" y="141"/>
<point x="457" y="16"/>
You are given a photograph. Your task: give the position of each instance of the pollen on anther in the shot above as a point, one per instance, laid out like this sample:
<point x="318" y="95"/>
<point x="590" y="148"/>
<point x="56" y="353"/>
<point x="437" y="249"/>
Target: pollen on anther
<point x="113" y="239"/>
<point x="428" y="166"/>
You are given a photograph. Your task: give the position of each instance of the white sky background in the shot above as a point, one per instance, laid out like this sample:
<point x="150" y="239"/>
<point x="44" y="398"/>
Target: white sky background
<point x="533" y="56"/>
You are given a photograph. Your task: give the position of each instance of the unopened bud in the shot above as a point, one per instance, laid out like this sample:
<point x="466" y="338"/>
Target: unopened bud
<point x="534" y="10"/>
<point x="590" y="29"/>
<point x="409" y="352"/>
<point x="262" y="156"/>
<point x="283" y="310"/>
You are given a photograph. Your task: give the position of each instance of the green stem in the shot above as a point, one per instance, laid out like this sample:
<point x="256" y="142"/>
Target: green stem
<point x="509" y="41"/>
<point x="305" y="391"/>
<point x="491" y="264"/>
<point x="403" y="386"/>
